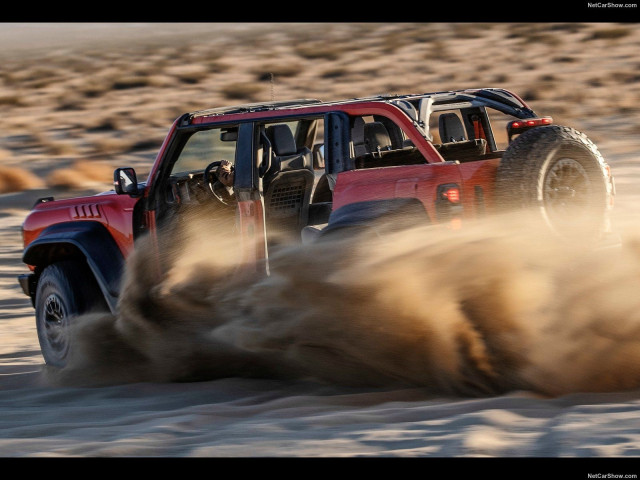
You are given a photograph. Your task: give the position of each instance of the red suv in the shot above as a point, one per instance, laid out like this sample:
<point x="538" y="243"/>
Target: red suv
<point x="304" y="170"/>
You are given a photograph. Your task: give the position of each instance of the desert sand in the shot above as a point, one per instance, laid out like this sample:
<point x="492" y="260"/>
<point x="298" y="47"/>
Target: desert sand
<point x="564" y="331"/>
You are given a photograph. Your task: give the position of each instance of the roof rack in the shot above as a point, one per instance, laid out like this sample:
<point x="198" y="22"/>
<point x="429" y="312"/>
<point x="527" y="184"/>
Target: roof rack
<point x="495" y="96"/>
<point x="254" y="107"/>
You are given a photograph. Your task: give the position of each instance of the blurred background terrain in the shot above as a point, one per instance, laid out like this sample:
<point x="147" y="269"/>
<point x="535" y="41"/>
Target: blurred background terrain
<point x="79" y="99"/>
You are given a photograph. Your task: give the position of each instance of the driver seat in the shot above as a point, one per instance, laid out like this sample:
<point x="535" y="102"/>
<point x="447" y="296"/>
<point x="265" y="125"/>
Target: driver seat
<point x="288" y="185"/>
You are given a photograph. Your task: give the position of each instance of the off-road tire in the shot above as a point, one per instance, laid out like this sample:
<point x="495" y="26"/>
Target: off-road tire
<point x="65" y="290"/>
<point x="557" y="172"/>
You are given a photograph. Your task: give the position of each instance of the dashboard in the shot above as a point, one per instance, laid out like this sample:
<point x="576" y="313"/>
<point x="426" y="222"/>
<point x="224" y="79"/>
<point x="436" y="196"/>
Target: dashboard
<point x="188" y="188"/>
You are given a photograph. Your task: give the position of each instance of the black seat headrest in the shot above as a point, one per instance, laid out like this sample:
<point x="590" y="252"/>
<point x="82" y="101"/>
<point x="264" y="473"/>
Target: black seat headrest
<point x="282" y="139"/>
<point x="451" y="129"/>
<point x="357" y="136"/>
<point x="376" y="137"/>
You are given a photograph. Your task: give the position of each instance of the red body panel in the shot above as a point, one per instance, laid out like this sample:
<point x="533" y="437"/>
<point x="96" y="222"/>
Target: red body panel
<point x="418" y="181"/>
<point x="113" y="211"/>
<point x="478" y="179"/>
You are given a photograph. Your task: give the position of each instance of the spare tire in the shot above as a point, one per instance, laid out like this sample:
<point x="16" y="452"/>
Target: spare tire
<point x="558" y="173"/>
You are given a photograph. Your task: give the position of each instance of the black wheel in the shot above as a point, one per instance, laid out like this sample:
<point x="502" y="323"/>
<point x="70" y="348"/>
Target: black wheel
<point x="560" y="173"/>
<point x="65" y="290"/>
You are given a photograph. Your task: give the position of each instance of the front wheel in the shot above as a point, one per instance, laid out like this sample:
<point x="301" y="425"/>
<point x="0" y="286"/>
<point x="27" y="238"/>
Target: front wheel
<point x="66" y="289"/>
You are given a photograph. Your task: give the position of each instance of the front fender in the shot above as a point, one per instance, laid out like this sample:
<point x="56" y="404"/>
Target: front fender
<point x="82" y="238"/>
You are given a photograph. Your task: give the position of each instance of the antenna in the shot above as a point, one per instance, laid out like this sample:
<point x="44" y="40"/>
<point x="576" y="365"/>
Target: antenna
<point x="273" y="98"/>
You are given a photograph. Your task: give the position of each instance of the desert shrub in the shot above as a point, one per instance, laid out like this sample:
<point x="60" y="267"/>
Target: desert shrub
<point x="111" y="145"/>
<point x="191" y="76"/>
<point x="595" y="82"/>
<point x="563" y="59"/>
<point x="469" y="30"/>
<point x="319" y="51"/>
<point x="161" y="81"/>
<point x="439" y="50"/>
<point x="75" y="63"/>
<point x="241" y="91"/>
<point x="532" y="94"/>
<point x="264" y="72"/>
<point x="542" y="38"/>
<point x="627" y="77"/>
<point x="12" y="100"/>
<point x="612" y="33"/>
<point x="59" y="147"/>
<point x="129" y="82"/>
<point x="216" y="66"/>
<point x="147" y="144"/>
<point x="395" y="40"/>
<point x="40" y="77"/>
<point x="16" y="179"/>
<point x="393" y="88"/>
<point x="70" y="101"/>
<point x="336" y="72"/>
<point x="533" y="33"/>
<point x="94" y="88"/>
<point x="211" y="54"/>
<point x="421" y="32"/>
<point x="108" y="123"/>
<point x="567" y="27"/>
<point x="82" y="173"/>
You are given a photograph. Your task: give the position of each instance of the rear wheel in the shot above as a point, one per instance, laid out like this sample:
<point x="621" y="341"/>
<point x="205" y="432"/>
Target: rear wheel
<point x="558" y="172"/>
<point x="65" y="290"/>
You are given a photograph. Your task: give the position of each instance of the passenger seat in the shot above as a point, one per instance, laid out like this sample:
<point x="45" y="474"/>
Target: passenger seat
<point x="455" y="145"/>
<point x="288" y="184"/>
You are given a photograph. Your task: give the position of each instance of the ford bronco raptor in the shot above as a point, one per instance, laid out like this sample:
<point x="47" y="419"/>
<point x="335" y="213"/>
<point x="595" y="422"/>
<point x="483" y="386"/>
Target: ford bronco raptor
<point x="307" y="169"/>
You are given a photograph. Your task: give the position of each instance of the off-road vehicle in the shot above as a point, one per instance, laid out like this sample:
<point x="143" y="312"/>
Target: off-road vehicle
<point x="306" y="169"/>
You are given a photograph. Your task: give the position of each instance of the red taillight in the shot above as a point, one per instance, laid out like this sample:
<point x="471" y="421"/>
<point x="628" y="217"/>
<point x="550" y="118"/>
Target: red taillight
<point x="531" y="122"/>
<point x="518" y="126"/>
<point x="449" y="204"/>
<point x="452" y="194"/>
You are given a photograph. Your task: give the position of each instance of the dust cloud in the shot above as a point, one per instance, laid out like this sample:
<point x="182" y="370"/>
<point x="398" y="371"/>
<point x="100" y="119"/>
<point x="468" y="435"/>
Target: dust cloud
<point x="487" y="309"/>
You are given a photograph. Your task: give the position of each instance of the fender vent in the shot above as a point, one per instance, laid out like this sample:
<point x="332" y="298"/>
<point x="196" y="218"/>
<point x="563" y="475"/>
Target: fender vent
<point x="90" y="210"/>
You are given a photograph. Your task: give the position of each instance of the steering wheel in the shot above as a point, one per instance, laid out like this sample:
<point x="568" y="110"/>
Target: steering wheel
<point x="214" y="187"/>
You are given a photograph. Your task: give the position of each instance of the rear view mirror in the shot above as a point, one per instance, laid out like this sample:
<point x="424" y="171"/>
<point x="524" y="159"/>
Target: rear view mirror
<point x="229" y="136"/>
<point x="125" y="181"/>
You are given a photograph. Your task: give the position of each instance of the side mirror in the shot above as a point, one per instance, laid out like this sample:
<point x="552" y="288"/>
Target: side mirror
<point x="125" y="181"/>
<point x="318" y="156"/>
